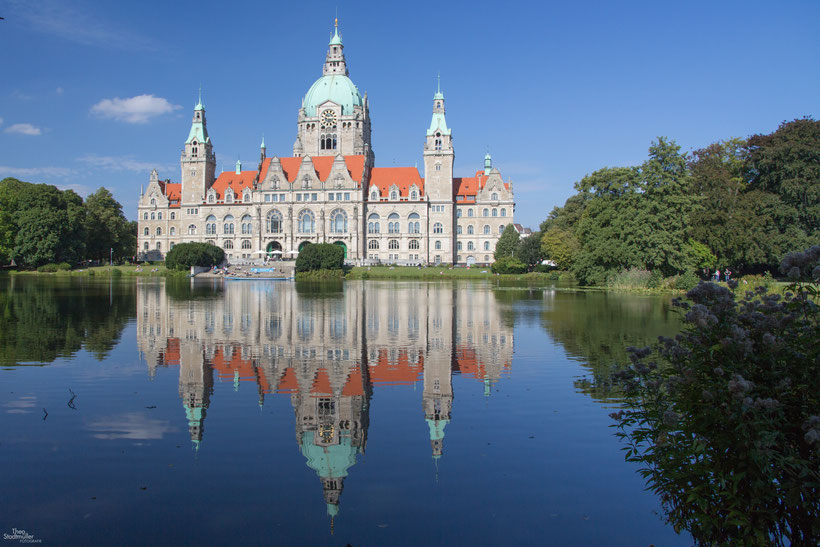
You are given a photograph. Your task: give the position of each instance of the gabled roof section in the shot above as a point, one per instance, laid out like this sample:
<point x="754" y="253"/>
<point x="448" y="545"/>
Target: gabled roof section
<point x="403" y="177"/>
<point x="172" y="192"/>
<point x="237" y="182"/>
<point x="468" y="187"/>
<point x="438" y="123"/>
<point x="322" y="165"/>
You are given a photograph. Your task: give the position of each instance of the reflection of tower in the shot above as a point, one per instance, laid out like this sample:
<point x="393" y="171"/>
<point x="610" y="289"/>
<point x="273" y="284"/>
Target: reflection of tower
<point x="332" y="417"/>
<point x="196" y="382"/>
<point x="437" y="399"/>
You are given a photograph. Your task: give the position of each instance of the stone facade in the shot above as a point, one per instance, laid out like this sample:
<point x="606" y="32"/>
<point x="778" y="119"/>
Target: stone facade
<point x="330" y="191"/>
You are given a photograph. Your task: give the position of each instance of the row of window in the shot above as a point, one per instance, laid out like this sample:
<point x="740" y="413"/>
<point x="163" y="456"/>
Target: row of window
<point x="470" y="231"/>
<point x="393" y="244"/>
<point x="471" y="246"/>
<point x="394" y="194"/>
<point x="337" y="196"/>
<point x="484" y="212"/>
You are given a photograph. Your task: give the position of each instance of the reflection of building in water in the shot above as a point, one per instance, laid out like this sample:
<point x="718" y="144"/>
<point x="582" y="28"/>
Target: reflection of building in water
<point x="327" y="351"/>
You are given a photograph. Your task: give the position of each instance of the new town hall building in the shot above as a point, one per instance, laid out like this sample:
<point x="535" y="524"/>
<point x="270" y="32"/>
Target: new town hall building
<point x="330" y="191"/>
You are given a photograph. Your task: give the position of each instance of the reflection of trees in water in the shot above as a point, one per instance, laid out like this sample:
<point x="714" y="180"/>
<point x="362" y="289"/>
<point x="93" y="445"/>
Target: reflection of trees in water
<point x="597" y="327"/>
<point x="42" y="319"/>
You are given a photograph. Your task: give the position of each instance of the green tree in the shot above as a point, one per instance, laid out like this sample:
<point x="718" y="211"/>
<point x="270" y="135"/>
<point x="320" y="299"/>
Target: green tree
<point x="10" y="190"/>
<point x="106" y="226"/>
<point x="560" y="246"/>
<point x="185" y="255"/>
<point x="787" y="163"/>
<point x="529" y="250"/>
<point x="321" y="256"/>
<point x="507" y="244"/>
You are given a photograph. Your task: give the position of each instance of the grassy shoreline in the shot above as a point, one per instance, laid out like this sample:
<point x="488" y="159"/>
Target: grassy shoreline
<point x="106" y="271"/>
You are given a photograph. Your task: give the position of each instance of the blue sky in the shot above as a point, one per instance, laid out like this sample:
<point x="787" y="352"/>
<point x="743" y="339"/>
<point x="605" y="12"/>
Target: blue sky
<point x="97" y="93"/>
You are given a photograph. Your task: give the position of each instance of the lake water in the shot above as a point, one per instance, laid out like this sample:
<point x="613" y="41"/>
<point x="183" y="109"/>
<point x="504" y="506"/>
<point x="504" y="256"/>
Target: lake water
<point x="363" y="413"/>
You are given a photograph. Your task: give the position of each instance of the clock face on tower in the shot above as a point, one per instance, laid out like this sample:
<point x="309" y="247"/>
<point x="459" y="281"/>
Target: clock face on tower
<point x="328" y="119"/>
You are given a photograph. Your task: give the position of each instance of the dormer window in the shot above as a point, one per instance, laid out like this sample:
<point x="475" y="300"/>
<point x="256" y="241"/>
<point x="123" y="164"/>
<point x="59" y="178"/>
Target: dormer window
<point x="153" y="202"/>
<point x="414" y="195"/>
<point x="246" y="197"/>
<point x="494" y="197"/>
<point x="229" y="196"/>
<point x="374" y="195"/>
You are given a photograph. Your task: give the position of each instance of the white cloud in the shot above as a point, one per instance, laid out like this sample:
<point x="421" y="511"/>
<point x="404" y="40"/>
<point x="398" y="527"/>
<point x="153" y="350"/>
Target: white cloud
<point x="137" y="109"/>
<point x="81" y="189"/>
<point x="122" y="163"/>
<point x="131" y="425"/>
<point x="56" y="172"/>
<point x="1" y="121"/>
<point x="24" y="129"/>
<point x="56" y="18"/>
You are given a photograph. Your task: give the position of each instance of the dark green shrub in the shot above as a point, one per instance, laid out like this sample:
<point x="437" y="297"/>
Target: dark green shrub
<point x="509" y="265"/>
<point x="185" y="255"/>
<point x="686" y="281"/>
<point x="321" y="256"/>
<point x="47" y="268"/>
<point x="725" y="417"/>
<point x="655" y="280"/>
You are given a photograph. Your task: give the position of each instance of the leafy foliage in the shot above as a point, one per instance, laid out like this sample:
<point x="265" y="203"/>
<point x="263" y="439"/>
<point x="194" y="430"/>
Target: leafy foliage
<point x="185" y="255"/>
<point x="560" y="245"/>
<point x="507" y="244"/>
<point x="725" y="419"/>
<point x="529" y="250"/>
<point x="321" y="256"/>
<point x="107" y="228"/>
<point x="508" y="265"/>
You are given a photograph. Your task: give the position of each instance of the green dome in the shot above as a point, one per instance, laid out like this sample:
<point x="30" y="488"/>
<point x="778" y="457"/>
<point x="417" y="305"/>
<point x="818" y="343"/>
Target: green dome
<point x="332" y="87"/>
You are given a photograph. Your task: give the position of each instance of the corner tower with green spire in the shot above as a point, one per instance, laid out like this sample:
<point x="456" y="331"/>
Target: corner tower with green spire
<point x="198" y="160"/>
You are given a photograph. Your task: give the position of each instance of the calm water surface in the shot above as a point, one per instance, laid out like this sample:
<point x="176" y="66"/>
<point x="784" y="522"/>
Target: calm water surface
<point x="367" y="413"/>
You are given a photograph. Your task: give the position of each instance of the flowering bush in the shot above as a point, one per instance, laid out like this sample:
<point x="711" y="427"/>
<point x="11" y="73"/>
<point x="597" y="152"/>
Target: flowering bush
<point x="724" y="418"/>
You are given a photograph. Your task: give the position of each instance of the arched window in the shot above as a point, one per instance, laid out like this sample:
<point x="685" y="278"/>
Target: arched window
<point x="470" y="212"/>
<point x="394" y="195"/>
<point x="306" y="222"/>
<point x="374" y="195"/>
<point x="470" y="229"/>
<point x="273" y="222"/>
<point x="246" y="197"/>
<point x="458" y="213"/>
<point x="414" y="225"/>
<point x="153" y="216"/>
<point x="438" y="144"/>
<point x="145" y="216"/>
<point x="153" y="202"/>
<point x="173" y="231"/>
<point x="373" y="223"/>
<point x="228" y="244"/>
<point x="458" y="245"/>
<point x="393" y="244"/>
<point x="469" y="245"/>
<point x="373" y="245"/>
<point x="211" y="197"/>
<point x="459" y="229"/>
<point x="438" y="245"/>
<point x="393" y="224"/>
<point x="486" y="229"/>
<point x="191" y="229"/>
<point x="159" y="245"/>
<point x="485" y="212"/>
<point x="159" y="215"/>
<point x="247" y="224"/>
<point x="146" y="231"/>
<point x="173" y="216"/>
<point x="227" y="225"/>
<point x="503" y="212"/>
<point x="414" y="195"/>
<point x="486" y="245"/>
<point x="159" y="231"/>
<point x="438" y="228"/>
<point x="486" y="258"/>
<point x="338" y="222"/>
<point x="145" y="245"/>
<point x="501" y="229"/>
<point x="210" y="225"/>
<point x="495" y="212"/>
<point x="414" y="244"/>
<point x="494" y="197"/>
<point x="228" y="196"/>
<point x="246" y="244"/>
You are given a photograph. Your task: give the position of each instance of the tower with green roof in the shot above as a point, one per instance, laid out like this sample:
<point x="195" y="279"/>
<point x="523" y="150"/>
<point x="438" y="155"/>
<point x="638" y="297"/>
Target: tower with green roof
<point x="198" y="160"/>
<point x="334" y="117"/>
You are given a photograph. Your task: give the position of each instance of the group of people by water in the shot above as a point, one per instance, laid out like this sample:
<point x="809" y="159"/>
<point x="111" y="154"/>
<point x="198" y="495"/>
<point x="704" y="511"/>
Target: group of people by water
<point x="727" y="274"/>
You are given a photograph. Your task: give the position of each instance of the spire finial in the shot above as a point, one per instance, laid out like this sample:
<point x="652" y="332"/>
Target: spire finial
<point x="263" y="141"/>
<point x="438" y="82"/>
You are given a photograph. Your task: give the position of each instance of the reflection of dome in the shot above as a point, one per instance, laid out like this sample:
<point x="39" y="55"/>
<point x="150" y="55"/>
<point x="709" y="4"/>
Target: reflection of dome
<point x="328" y="461"/>
<point x="332" y="87"/>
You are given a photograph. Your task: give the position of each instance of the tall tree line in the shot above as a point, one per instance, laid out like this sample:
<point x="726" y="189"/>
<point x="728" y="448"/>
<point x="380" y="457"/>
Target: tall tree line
<point x="739" y="203"/>
<point x="40" y="224"/>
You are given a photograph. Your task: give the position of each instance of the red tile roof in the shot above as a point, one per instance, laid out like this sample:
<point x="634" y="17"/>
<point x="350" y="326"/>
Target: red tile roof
<point x="403" y="177"/>
<point x="229" y="179"/>
<point x="170" y="356"/>
<point x="354" y="384"/>
<point x="399" y="372"/>
<point x="470" y="186"/>
<point x="321" y="383"/>
<point x="288" y="383"/>
<point x="321" y="165"/>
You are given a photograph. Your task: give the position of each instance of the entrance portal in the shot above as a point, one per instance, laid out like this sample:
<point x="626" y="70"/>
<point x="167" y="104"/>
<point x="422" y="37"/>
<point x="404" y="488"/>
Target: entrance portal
<point x="274" y="250"/>
<point x="342" y="245"/>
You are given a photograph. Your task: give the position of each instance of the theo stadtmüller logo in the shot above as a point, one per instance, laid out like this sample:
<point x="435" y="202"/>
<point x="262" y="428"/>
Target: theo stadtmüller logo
<point x="22" y="536"/>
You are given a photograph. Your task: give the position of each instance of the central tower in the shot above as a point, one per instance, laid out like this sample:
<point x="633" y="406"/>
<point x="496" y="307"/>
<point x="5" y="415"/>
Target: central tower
<point x="334" y="117"/>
